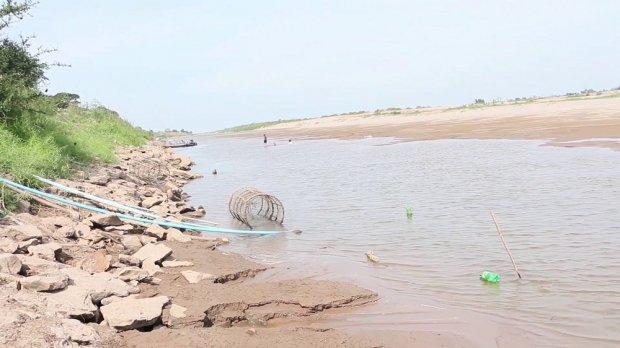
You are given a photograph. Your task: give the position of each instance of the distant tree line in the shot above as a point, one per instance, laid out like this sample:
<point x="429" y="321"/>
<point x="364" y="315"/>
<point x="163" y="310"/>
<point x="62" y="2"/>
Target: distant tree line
<point x="168" y="130"/>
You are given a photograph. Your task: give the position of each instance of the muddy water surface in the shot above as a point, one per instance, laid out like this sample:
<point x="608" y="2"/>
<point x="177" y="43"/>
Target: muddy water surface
<point x="559" y="210"/>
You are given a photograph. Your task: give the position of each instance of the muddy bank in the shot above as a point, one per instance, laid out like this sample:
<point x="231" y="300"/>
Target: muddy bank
<point x="294" y="337"/>
<point x="70" y="277"/>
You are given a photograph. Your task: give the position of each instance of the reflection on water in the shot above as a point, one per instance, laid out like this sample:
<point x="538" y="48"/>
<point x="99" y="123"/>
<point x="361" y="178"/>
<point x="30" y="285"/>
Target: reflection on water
<point x="558" y="209"/>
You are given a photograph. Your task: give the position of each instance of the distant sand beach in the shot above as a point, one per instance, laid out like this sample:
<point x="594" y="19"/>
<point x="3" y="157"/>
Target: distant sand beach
<point x="566" y="121"/>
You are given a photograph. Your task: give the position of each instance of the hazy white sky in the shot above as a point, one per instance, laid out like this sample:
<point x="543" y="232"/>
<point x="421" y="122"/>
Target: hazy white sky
<point x="206" y="65"/>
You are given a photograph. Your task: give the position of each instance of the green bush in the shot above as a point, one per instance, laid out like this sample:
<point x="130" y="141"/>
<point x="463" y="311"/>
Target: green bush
<point x="48" y="135"/>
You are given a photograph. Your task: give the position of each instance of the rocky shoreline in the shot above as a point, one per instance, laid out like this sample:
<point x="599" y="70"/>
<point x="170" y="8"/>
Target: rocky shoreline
<point x="70" y="277"/>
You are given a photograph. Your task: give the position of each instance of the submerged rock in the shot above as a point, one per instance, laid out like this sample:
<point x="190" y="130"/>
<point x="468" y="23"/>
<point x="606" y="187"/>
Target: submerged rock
<point x="371" y="256"/>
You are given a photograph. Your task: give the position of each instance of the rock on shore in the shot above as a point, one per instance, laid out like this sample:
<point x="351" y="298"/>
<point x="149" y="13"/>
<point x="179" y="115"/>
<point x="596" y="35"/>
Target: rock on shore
<point x="79" y="278"/>
<point x="62" y="273"/>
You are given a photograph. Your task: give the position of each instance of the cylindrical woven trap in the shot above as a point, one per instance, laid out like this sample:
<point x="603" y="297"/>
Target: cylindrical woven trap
<point x="248" y="203"/>
<point x="149" y="170"/>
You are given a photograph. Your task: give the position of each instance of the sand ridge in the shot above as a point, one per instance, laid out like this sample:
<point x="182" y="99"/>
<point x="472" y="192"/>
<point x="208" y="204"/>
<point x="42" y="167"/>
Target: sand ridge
<point x="559" y="119"/>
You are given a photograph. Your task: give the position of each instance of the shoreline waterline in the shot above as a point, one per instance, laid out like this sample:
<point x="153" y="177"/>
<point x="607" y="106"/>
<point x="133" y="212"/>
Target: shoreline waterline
<point x="222" y="156"/>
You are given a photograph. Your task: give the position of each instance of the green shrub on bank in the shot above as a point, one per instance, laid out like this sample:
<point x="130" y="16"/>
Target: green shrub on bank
<point x="47" y="135"/>
<point x="50" y="141"/>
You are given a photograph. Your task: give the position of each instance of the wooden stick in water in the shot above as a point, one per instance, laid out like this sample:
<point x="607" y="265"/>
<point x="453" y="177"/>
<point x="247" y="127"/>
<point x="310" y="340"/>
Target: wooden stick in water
<point x="499" y="231"/>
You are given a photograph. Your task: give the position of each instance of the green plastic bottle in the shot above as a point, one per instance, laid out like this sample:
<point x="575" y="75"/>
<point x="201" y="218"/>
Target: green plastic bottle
<point x="489" y="277"/>
<point x="409" y="212"/>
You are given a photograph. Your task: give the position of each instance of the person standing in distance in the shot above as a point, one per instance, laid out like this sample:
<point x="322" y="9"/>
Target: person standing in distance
<point x="265" y="140"/>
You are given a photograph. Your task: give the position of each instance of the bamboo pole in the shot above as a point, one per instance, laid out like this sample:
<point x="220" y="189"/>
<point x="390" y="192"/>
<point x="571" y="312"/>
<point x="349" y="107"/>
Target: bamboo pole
<point x="499" y="231"/>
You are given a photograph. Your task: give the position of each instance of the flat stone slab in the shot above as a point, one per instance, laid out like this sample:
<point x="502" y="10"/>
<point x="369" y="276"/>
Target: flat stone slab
<point x="45" y="282"/>
<point x="129" y="314"/>
<point x="72" y="303"/>
<point x="36" y="265"/>
<point x="156" y="252"/>
<point x="99" y="285"/>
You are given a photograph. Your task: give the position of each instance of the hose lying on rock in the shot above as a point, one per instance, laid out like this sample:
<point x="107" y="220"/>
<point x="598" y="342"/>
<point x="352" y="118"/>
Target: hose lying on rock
<point x="133" y="218"/>
<point x="143" y="212"/>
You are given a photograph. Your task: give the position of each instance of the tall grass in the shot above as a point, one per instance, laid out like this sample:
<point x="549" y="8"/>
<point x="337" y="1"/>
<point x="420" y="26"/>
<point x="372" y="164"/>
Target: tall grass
<point x="47" y="141"/>
<point x="46" y="135"/>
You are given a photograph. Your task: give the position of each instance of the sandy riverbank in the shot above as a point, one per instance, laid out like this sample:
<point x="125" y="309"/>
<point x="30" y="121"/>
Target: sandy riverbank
<point x="75" y="278"/>
<point x="559" y="119"/>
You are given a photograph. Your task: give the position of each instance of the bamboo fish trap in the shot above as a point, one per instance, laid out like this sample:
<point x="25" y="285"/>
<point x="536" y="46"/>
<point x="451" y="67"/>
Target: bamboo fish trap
<point x="249" y="203"/>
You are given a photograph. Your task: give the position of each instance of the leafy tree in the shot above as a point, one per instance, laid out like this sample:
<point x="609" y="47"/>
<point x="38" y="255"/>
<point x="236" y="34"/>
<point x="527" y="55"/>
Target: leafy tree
<point x="21" y="72"/>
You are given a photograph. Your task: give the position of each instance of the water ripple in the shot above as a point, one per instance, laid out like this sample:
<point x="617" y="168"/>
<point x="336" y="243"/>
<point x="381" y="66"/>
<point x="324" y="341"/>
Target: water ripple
<point x="558" y="208"/>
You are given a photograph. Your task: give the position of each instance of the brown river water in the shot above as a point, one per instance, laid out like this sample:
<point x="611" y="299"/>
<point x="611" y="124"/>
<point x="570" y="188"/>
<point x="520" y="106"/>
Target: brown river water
<point x="559" y="210"/>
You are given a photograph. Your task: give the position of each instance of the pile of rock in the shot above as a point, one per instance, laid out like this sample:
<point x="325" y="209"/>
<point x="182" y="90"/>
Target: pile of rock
<point x="66" y="274"/>
<point x="99" y="287"/>
<point x="132" y="187"/>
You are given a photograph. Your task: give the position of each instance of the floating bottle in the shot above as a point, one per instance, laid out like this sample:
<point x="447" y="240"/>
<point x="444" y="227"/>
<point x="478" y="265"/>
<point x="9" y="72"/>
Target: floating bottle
<point x="489" y="277"/>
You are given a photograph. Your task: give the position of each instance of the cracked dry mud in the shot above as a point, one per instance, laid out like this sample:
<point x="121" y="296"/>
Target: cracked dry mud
<point x="289" y="298"/>
<point x="109" y="269"/>
<point x="225" y="267"/>
<point x="221" y="303"/>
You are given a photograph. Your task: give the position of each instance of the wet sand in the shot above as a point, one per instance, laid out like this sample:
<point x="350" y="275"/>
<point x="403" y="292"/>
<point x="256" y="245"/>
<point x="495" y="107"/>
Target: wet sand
<point x="252" y="305"/>
<point x="85" y="278"/>
<point x="236" y="306"/>
<point x="244" y="303"/>
<point x="557" y="119"/>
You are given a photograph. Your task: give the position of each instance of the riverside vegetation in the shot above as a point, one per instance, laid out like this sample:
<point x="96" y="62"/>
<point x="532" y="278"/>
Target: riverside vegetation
<point x="42" y="134"/>
<point x="71" y="278"/>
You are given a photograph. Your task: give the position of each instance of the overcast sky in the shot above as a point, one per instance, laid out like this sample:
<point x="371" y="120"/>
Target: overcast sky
<point x="207" y="65"/>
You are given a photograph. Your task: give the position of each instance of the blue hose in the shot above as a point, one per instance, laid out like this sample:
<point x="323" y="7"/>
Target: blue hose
<point x="133" y="218"/>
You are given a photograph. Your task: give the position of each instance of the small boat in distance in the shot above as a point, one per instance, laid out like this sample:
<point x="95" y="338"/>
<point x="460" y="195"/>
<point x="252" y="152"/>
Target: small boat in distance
<point x="179" y="143"/>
